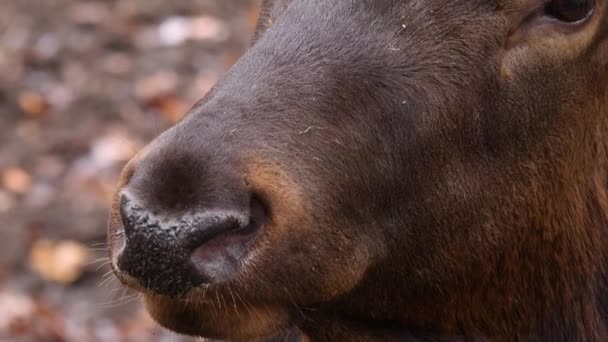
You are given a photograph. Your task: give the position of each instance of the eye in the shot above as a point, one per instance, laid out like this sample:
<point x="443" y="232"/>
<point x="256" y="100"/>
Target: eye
<point x="570" y="11"/>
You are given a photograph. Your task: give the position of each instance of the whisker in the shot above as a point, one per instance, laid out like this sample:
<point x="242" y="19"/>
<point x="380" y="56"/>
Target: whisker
<point x="233" y="300"/>
<point x="123" y="300"/>
<point x="108" y="262"/>
<point x="217" y="295"/>
<point x="94" y="249"/>
<point x="302" y="313"/>
<point x="98" y="260"/>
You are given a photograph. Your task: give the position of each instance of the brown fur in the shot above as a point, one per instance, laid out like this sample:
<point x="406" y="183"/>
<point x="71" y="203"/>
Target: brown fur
<point x="432" y="170"/>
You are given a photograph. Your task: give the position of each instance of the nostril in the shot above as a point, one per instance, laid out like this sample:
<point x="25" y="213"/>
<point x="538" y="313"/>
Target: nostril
<point x="196" y="247"/>
<point x="258" y="212"/>
<point x="220" y="248"/>
<point x="219" y="224"/>
<point x="222" y="223"/>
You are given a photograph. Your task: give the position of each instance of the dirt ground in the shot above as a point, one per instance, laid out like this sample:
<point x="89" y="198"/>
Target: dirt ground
<point x="84" y="85"/>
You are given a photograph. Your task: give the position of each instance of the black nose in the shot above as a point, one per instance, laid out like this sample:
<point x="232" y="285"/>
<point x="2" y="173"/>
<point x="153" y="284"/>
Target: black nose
<point x="170" y="253"/>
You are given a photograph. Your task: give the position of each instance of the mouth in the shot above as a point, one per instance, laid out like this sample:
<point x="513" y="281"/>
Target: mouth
<point x="220" y="317"/>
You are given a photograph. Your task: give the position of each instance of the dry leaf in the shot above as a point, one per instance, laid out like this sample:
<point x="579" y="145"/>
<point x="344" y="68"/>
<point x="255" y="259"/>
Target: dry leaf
<point x="61" y="262"/>
<point x="33" y="104"/>
<point x="15" y="311"/>
<point x="7" y="202"/>
<point x="208" y="28"/>
<point x="118" y="63"/>
<point x="171" y="108"/>
<point x="173" y="31"/>
<point x="160" y="83"/>
<point x="16" y="180"/>
<point x="89" y="13"/>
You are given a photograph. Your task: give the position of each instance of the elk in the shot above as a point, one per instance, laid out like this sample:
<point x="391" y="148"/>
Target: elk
<point x="376" y="170"/>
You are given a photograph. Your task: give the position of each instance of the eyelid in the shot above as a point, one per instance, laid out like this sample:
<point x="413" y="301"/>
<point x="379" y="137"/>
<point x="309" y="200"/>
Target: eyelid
<point x="533" y="16"/>
<point x="592" y="3"/>
<point x="536" y="11"/>
<point x="534" y="7"/>
<point x="531" y="9"/>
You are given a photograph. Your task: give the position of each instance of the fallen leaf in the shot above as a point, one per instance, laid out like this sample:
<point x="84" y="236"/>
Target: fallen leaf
<point x="7" y="202"/>
<point x="89" y="13"/>
<point x="208" y="28"/>
<point x="160" y="83"/>
<point x="62" y="262"/>
<point x="171" y="108"/>
<point x="118" y="63"/>
<point x="15" y="311"/>
<point x="16" y="180"/>
<point x="173" y="31"/>
<point x="33" y="104"/>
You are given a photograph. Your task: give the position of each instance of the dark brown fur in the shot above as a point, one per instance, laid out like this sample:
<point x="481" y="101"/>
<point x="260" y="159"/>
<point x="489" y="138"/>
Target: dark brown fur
<point x="433" y="170"/>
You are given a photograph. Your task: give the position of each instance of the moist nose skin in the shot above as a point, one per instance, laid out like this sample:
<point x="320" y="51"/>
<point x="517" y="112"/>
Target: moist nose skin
<point x="173" y="253"/>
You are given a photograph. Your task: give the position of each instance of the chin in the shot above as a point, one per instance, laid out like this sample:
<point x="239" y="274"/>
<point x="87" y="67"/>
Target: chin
<point x="232" y="320"/>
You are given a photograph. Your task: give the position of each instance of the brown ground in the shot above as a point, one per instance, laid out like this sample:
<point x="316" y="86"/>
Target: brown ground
<point x="83" y="85"/>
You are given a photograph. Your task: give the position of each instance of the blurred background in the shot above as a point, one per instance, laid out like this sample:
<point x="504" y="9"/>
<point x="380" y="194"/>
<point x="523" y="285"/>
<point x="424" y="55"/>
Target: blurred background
<point x="83" y="86"/>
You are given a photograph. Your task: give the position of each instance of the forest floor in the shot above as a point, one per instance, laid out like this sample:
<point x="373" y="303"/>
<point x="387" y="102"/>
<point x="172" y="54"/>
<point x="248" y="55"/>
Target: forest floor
<point x="83" y="86"/>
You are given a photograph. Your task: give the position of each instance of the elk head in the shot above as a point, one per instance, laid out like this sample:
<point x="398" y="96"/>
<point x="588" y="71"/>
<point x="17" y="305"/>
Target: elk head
<point x="435" y="166"/>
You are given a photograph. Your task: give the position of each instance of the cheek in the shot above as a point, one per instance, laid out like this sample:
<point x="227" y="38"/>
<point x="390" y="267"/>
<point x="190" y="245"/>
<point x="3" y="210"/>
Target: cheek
<point x="313" y="267"/>
<point x="308" y="254"/>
